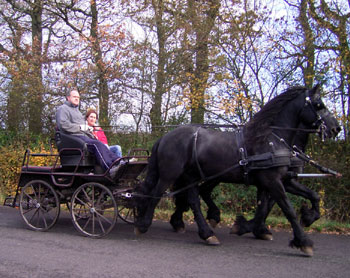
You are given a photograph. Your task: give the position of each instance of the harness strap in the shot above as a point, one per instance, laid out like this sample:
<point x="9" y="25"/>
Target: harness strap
<point x="243" y="153"/>
<point x="195" y="154"/>
<point x="304" y="157"/>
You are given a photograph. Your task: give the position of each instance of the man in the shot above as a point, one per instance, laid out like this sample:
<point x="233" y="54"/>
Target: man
<point x="71" y="121"/>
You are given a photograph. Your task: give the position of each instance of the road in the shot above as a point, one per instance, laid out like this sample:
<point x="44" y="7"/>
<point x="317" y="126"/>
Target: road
<point x="62" y="252"/>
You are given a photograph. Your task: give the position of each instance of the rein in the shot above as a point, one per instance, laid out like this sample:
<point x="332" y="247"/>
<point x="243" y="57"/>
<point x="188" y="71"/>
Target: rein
<point x="297" y="129"/>
<point x="304" y="157"/>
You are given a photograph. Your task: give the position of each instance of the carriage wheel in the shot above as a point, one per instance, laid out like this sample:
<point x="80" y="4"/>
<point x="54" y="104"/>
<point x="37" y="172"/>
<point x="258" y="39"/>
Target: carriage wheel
<point x="126" y="214"/>
<point x="39" y="205"/>
<point x="93" y="210"/>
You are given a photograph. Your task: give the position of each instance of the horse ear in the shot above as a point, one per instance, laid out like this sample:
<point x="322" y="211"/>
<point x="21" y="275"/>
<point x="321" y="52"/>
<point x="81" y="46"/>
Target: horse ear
<point x="315" y="92"/>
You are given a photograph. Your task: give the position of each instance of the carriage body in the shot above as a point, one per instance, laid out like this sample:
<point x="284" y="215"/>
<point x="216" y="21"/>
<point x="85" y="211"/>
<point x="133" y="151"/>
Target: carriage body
<point x="74" y="181"/>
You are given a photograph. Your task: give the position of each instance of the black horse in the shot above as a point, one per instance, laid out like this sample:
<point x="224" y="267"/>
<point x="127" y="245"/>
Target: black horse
<point x="190" y="154"/>
<point x="264" y="201"/>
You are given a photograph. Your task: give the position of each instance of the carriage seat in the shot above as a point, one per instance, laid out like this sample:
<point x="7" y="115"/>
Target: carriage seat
<point x="73" y="151"/>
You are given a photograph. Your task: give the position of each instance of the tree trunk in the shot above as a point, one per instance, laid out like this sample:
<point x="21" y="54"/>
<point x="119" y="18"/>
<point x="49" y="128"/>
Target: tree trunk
<point x="156" y="110"/>
<point x="36" y="89"/>
<point x="103" y="92"/>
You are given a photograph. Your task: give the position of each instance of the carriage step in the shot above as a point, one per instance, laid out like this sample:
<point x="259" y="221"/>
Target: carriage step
<point x="10" y="202"/>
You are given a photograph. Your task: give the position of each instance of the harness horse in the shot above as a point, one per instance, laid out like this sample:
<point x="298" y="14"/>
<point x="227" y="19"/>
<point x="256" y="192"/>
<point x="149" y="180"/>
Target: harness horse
<point x="188" y="155"/>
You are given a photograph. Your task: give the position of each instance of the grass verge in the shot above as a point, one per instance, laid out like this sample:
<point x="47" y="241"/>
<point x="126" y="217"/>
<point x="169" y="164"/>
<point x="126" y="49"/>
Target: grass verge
<point x="273" y="222"/>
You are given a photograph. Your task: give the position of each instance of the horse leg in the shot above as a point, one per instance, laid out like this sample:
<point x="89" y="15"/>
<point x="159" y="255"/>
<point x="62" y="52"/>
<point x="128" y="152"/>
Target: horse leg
<point x="181" y="206"/>
<point x="257" y="224"/>
<point x="300" y="239"/>
<point x="308" y="215"/>
<point x="147" y="205"/>
<point x="204" y="230"/>
<point x="213" y="213"/>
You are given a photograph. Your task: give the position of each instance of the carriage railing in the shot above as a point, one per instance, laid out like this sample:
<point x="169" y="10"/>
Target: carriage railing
<point x="54" y="168"/>
<point x="27" y="155"/>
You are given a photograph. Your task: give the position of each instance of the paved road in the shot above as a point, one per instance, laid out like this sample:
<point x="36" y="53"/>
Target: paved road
<point x="62" y="252"/>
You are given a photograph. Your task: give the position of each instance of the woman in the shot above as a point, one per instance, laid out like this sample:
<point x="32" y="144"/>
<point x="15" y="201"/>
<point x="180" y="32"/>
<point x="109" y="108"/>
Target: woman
<point x="91" y="118"/>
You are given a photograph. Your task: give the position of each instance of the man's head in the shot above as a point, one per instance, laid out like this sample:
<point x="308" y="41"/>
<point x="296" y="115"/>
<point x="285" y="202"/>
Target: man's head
<point x="74" y="97"/>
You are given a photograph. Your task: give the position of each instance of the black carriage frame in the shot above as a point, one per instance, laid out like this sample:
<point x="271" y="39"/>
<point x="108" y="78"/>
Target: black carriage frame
<point x="95" y="199"/>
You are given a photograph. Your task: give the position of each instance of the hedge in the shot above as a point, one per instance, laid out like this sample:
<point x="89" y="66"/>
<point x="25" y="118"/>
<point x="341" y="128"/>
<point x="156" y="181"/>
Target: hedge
<point x="231" y="198"/>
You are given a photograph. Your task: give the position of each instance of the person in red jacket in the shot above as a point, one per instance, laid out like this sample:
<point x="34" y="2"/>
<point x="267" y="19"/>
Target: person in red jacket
<point x="91" y="118"/>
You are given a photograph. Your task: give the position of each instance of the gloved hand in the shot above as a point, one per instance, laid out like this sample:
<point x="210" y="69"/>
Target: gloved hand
<point x="84" y="127"/>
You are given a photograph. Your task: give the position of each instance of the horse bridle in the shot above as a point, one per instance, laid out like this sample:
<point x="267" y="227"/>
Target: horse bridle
<point x="320" y="123"/>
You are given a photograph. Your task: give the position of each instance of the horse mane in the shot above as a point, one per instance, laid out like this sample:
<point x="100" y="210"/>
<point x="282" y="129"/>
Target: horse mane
<point x="259" y="126"/>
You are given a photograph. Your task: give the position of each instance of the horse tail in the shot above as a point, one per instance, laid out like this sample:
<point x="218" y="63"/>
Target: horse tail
<point x="152" y="168"/>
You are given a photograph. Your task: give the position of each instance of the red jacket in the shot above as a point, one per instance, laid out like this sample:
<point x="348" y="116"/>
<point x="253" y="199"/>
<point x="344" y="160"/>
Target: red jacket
<point x="100" y="135"/>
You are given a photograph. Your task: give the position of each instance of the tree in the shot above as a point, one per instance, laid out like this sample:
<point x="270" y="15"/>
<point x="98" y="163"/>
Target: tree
<point x="99" y="37"/>
<point x="26" y="71"/>
<point x="334" y="20"/>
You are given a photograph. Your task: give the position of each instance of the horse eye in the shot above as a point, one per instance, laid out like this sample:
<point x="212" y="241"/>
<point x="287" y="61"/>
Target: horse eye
<point x="319" y="105"/>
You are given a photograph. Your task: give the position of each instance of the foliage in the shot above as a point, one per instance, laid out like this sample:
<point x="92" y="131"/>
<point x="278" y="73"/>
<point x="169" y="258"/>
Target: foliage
<point x="11" y="159"/>
<point x="235" y="198"/>
<point x="335" y="192"/>
<point x="10" y="162"/>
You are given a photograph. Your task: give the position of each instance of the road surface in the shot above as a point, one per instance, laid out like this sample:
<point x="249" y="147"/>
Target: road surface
<point x="63" y="252"/>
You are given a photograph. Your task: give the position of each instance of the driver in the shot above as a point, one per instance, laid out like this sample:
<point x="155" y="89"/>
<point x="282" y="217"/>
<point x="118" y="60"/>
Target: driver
<point x="71" y="121"/>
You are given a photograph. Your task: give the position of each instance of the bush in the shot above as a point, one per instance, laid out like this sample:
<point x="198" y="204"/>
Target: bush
<point x="11" y="159"/>
<point x="335" y="192"/>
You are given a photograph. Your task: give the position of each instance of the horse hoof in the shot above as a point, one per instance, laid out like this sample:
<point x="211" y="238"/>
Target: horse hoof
<point x="180" y="230"/>
<point x="307" y="250"/>
<point x="137" y="232"/>
<point x="234" y="229"/>
<point x="212" y="240"/>
<point x="213" y="223"/>
<point x="266" y="237"/>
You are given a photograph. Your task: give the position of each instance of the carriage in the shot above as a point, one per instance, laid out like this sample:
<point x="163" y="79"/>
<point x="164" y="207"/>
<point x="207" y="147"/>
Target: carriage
<point x="74" y="180"/>
<point x="191" y="161"/>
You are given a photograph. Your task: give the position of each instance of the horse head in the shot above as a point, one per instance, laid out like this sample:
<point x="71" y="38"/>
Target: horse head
<point x="326" y="124"/>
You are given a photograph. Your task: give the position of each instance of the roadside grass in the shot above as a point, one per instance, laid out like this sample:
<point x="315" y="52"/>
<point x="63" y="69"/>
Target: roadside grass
<point x="273" y="222"/>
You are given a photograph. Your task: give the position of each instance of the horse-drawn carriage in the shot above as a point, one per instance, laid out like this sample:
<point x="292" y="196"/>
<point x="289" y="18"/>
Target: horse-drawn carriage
<point x="191" y="161"/>
<point x="93" y="197"/>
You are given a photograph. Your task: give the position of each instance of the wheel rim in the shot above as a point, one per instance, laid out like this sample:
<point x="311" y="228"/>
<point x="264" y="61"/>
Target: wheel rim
<point x="93" y="209"/>
<point x="126" y="214"/>
<point x="39" y="205"/>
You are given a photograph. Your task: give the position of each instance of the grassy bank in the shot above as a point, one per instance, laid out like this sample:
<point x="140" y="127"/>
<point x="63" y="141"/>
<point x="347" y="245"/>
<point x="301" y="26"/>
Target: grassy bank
<point x="273" y="222"/>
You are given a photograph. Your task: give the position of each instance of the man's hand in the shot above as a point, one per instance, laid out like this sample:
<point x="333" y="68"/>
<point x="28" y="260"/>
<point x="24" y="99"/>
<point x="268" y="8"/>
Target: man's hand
<point x="84" y="127"/>
<point x="87" y="128"/>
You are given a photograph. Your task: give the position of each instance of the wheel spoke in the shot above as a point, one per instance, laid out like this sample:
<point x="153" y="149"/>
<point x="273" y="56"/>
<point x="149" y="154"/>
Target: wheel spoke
<point x="43" y="216"/>
<point x="87" y="222"/>
<point x="36" y="210"/>
<point x="87" y="196"/>
<point x="98" y="201"/>
<point x="103" y="217"/>
<point x="82" y="202"/>
<point x="34" y="191"/>
<point x="101" y="225"/>
<point x="30" y="197"/>
<point x="46" y="212"/>
<point x="28" y="210"/>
